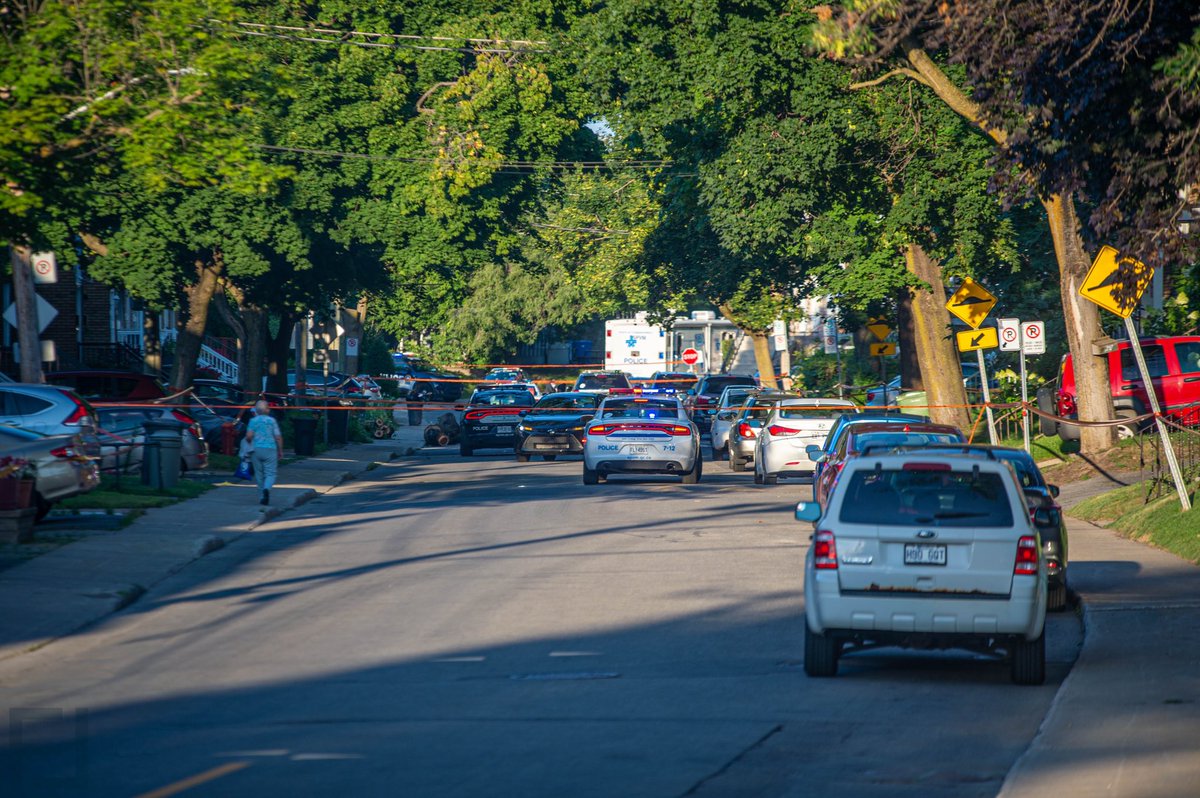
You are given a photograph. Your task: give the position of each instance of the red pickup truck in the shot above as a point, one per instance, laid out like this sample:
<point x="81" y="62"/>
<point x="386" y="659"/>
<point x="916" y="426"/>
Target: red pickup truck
<point x="1174" y="366"/>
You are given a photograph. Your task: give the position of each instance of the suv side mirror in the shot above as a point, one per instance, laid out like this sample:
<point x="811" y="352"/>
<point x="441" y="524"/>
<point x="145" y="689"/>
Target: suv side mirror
<point x="814" y="452"/>
<point x="1043" y="516"/>
<point x="808" y="511"/>
<point x="1054" y="490"/>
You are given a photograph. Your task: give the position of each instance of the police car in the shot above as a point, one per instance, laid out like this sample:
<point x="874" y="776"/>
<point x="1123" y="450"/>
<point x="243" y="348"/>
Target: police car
<point x="641" y="433"/>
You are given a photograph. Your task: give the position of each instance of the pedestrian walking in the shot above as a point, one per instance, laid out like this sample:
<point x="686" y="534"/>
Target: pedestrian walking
<point x="266" y="448"/>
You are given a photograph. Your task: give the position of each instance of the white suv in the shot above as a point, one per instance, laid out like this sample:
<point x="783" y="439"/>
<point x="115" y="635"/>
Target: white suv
<point x="925" y="549"/>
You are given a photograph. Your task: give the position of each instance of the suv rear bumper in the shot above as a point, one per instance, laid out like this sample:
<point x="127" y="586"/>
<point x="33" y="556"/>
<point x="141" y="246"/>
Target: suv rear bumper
<point x="1022" y="613"/>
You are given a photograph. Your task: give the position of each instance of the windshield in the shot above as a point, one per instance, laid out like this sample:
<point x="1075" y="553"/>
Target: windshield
<point x="714" y="385"/>
<point x="585" y="402"/>
<point x="798" y="413"/>
<point x="639" y="408"/>
<point x="736" y="398"/>
<point x="592" y="382"/>
<point x="680" y="382"/>
<point x="920" y="497"/>
<point x="503" y="399"/>
<point x="883" y="440"/>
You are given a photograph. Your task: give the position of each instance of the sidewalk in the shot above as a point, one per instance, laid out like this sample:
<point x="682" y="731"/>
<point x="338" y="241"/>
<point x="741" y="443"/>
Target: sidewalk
<point x="66" y="589"/>
<point x="1126" y="721"/>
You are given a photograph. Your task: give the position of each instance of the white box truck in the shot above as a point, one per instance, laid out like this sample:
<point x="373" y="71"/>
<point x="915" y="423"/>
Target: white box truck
<point x="635" y="346"/>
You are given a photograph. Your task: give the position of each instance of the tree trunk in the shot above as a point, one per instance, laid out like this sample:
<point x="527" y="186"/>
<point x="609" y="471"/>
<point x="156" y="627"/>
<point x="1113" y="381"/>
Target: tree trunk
<point x="936" y="352"/>
<point x="1093" y="395"/>
<point x="191" y="334"/>
<point x="279" y="346"/>
<point x="353" y="322"/>
<point x="151" y="343"/>
<point x="910" y="366"/>
<point x="254" y="319"/>
<point x="25" y="299"/>
<point x="762" y="357"/>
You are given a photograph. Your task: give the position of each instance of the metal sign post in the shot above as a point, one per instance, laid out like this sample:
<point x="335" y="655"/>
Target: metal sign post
<point x="987" y="399"/>
<point x="1163" y="433"/>
<point x="1024" y="391"/>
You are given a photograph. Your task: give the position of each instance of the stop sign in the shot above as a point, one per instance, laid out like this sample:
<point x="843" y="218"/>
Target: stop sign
<point x="690" y="356"/>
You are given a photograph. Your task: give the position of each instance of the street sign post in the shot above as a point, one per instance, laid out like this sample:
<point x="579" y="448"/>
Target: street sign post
<point x="971" y="303"/>
<point x="1115" y="283"/>
<point x="1010" y="334"/>
<point x="976" y="341"/>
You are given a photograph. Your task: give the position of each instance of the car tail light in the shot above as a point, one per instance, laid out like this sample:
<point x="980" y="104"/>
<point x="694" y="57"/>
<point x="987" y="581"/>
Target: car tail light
<point x="746" y="431"/>
<point x="824" y="551"/>
<point x="600" y="429"/>
<point x="1066" y="405"/>
<point x="63" y="451"/>
<point x="184" y="418"/>
<point x="78" y="414"/>
<point x="1027" y="556"/>
<point x="679" y="429"/>
<point x="781" y="432"/>
<point x="870" y="396"/>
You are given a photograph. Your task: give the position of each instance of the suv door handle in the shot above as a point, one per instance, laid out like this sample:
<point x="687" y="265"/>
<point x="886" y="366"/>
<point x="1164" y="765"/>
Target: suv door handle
<point x="1128" y="387"/>
<point x="1191" y="379"/>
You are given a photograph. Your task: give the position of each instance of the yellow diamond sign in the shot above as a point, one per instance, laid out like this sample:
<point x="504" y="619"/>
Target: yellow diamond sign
<point x="879" y="328"/>
<point x="970" y="340"/>
<point x="1115" y="283"/>
<point x="971" y="303"/>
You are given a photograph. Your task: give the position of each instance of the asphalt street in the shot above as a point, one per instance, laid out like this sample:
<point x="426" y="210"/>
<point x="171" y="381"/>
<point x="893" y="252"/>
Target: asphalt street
<point x="450" y="627"/>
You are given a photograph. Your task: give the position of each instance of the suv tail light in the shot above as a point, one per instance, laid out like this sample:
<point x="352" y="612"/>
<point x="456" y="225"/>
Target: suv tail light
<point x="184" y="418"/>
<point x="78" y="415"/>
<point x="746" y="431"/>
<point x="1027" y="556"/>
<point x="1066" y="405"/>
<point x="781" y="432"/>
<point x="825" y="551"/>
<point x="63" y="451"/>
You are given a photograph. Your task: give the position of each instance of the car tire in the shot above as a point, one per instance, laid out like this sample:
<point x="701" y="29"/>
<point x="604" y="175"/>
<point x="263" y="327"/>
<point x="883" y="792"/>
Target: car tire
<point x="1056" y="597"/>
<point x="770" y="479"/>
<point x="1029" y="660"/>
<point x="736" y="463"/>
<point x="549" y="458"/>
<point x="1127" y="431"/>
<point x="522" y="457"/>
<point x="590" y="476"/>
<point x="693" y="476"/>
<point x="821" y="653"/>
<point x="758" y="478"/>
<point x="1045" y="403"/>
<point x="465" y="450"/>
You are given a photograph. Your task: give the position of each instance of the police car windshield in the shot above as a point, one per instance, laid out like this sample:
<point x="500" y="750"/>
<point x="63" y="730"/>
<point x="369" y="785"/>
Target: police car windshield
<point x="639" y="408"/>
<point x="503" y="398"/>
<point x="595" y="381"/>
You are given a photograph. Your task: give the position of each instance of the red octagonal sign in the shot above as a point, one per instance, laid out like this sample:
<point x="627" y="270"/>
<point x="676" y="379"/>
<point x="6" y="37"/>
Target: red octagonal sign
<point x="690" y="356"/>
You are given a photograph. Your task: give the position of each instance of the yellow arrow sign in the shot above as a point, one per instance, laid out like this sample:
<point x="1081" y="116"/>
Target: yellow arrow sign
<point x="879" y="328"/>
<point x="882" y="350"/>
<point x="1115" y="283"/>
<point x="971" y="303"/>
<point x="970" y="340"/>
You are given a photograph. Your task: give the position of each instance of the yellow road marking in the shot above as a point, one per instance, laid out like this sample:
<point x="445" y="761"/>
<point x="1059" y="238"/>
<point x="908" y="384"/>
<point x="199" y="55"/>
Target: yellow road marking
<point x="195" y="781"/>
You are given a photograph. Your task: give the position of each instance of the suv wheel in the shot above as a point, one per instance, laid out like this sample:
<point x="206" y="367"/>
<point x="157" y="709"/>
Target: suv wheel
<point x="1029" y="660"/>
<point x="1127" y="431"/>
<point x="1045" y="403"/>
<point x="821" y="653"/>
<point x="1056" y="599"/>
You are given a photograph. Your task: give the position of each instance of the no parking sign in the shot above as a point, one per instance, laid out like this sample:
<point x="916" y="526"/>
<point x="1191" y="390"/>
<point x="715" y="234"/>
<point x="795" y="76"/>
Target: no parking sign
<point x="1033" y="337"/>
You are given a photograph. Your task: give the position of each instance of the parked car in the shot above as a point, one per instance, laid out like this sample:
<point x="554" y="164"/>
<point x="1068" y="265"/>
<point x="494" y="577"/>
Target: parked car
<point x="420" y="382"/>
<point x="817" y="453"/>
<point x="108" y="385"/>
<point x="701" y="401"/>
<point x="925" y="550"/>
<point x="727" y="410"/>
<point x="678" y="381"/>
<point x="61" y="468"/>
<point x="491" y="419"/>
<point x="1174" y="366"/>
<point x="859" y="438"/>
<point x="555" y="425"/>
<point x="47" y="409"/>
<point x="782" y="442"/>
<point x="505" y="374"/>
<point x="127" y="423"/>
<point x="744" y="430"/>
<point x="884" y="395"/>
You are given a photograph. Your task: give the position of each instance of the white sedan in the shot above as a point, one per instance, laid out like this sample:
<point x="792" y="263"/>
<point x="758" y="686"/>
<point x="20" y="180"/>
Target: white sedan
<point x="641" y="435"/>
<point x="780" y="449"/>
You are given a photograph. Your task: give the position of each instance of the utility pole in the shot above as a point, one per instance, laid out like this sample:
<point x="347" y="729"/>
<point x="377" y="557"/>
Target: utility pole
<point x="27" y="320"/>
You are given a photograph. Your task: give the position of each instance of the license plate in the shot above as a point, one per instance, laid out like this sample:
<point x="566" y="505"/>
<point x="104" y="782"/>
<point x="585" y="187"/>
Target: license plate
<point x="546" y="446"/>
<point x="503" y="430"/>
<point x="924" y="554"/>
<point x="636" y="450"/>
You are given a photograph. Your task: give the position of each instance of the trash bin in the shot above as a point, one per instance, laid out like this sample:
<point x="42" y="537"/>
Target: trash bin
<point x="161" y="452"/>
<point x="304" y="435"/>
<point x="339" y="424"/>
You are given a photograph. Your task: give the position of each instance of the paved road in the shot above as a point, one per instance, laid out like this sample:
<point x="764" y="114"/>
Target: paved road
<point x="500" y="629"/>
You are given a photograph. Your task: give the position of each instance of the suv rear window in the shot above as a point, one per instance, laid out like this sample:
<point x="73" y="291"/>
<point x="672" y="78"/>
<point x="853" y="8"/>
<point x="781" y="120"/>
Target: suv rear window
<point x="714" y="385"/>
<point x="926" y="498"/>
<point x="797" y="413"/>
<point x="595" y="381"/>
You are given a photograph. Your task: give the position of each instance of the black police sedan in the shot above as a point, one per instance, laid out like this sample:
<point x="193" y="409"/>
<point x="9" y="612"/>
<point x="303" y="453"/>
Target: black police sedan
<point x="555" y="425"/>
<point x="491" y="419"/>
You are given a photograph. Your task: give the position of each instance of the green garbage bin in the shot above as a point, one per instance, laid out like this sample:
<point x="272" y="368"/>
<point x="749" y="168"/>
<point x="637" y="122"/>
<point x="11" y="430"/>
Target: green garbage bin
<point x="304" y="435"/>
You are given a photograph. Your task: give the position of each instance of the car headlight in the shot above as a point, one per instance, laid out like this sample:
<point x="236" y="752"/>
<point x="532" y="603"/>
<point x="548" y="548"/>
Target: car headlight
<point x="526" y="428"/>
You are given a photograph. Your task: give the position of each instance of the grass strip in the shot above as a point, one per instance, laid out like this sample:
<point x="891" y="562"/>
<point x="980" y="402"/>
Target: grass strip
<point x="127" y="493"/>
<point x="1160" y="523"/>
